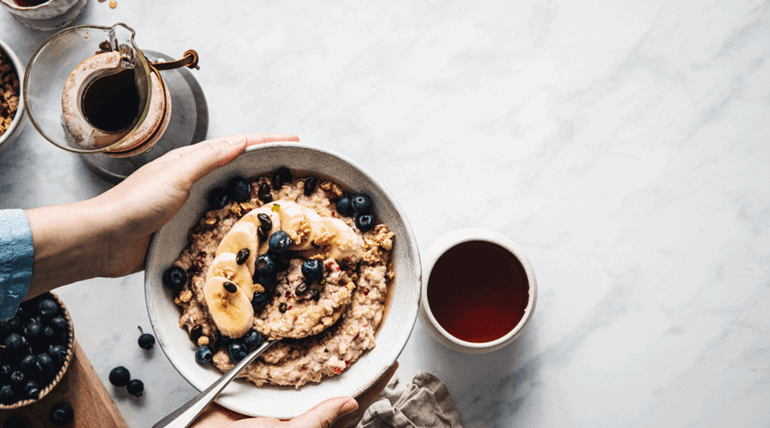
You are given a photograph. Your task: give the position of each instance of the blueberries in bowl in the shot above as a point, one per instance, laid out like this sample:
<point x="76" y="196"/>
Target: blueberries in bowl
<point x="237" y="351"/>
<point x="364" y="222"/>
<point x="238" y="189"/>
<point x="279" y="242"/>
<point x="362" y="203"/>
<point x="218" y="198"/>
<point x="203" y="355"/>
<point x="345" y="205"/>
<point x="175" y="278"/>
<point x="313" y="269"/>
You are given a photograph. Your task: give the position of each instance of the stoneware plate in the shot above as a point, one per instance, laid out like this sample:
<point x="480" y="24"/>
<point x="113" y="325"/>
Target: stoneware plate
<point x="394" y="331"/>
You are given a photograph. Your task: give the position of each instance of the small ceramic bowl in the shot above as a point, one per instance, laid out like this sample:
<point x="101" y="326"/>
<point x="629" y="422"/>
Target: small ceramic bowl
<point x="60" y="374"/>
<point x="13" y="132"/>
<point x="48" y="16"/>
<point x="392" y="334"/>
<point x="435" y="251"/>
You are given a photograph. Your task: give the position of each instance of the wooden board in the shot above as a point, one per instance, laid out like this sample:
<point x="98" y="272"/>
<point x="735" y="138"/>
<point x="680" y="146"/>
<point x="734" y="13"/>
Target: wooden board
<point x="83" y="390"/>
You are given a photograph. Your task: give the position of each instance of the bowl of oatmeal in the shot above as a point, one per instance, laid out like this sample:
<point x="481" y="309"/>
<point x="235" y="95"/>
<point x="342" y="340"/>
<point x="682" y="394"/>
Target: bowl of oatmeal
<point x="288" y="241"/>
<point x="11" y="97"/>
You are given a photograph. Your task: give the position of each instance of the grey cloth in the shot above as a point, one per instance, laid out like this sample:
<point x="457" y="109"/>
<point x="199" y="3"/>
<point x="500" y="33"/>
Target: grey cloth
<point x="423" y="403"/>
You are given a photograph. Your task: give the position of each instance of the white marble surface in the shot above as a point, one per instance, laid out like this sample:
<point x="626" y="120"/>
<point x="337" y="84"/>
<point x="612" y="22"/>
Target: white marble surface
<point x="623" y="145"/>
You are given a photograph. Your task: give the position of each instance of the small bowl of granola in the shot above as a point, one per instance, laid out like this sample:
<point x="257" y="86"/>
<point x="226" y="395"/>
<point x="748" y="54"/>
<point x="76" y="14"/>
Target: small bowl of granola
<point x="11" y="97"/>
<point x="291" y="242"/>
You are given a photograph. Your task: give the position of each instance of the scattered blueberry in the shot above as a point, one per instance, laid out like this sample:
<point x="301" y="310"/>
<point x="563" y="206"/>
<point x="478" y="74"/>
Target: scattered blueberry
<point x="281" y="176"/>
<point x="265" y="264"/>
<point x="119" y="376"/>
<point x="45" y="363"/>
<point x="238" y="189"/>
<point x="279" y="242"/>
<point x="62" y="414"/>
<point x="146" y="341"/>
<point x="203" y="355"/>
<point x="15" y="421"/>
<point x="252" y="339"/>
<point x="362" y="203"/>
<point x="218" y="198"/>
<point x="313" y="269"/>
<point x="14" y="342"/>
<point x="345" y="205"/>
<point x="237" y="351"/>
<point x="266" y="281"/>
<point x="59" y="354"/>
<point x="58" y="323"/>
<point x="175" y="278"/>
<point x="364" y="222"/>
<point x="135" y="387"/>
<point x="32" y="389"/>
<point x="48" y="309"/>
<point x="7" y="396"/>
<point x="258" y="301"/>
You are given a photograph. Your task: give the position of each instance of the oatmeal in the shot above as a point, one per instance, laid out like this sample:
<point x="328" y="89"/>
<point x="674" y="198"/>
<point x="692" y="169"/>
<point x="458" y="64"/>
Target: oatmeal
<point x="279" y="258"/>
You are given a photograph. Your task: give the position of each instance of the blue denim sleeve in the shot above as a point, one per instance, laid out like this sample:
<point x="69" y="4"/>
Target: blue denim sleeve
<point x="16" y="252"/>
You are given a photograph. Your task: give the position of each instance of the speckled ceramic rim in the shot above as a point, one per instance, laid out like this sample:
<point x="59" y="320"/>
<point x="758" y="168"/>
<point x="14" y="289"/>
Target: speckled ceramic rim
<point x="62" y="371"/>
<point x="450" y="240"/>
<point x="286" y="402"/>
<point x="16" y="122"/>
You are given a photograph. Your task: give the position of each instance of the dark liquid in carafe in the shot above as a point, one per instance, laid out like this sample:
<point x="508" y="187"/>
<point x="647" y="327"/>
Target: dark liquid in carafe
<point x="29" y="3"/>
<point x="478" y="291"/>
<point x="111" y="103"/>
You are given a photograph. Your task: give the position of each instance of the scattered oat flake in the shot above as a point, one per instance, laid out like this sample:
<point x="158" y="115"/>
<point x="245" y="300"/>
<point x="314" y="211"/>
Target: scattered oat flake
<point x="113" y="4"/>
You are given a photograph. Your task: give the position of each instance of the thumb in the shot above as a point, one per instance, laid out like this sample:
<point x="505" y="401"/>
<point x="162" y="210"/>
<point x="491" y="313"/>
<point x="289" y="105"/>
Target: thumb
<point x="207" y="156"/>
<point x="325" y="413"/>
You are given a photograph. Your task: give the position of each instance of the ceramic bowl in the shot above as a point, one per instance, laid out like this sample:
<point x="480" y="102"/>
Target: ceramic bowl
<point x="436" y="250"/>
<point x="393" y="333"/>
<point x="13" y="132"/>
<point x="45" y="389"/>
<point x="48" y="16"/>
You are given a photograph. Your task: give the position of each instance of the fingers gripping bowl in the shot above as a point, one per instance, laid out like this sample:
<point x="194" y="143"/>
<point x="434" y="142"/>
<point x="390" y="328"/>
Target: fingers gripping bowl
<point x="400" y="309"/>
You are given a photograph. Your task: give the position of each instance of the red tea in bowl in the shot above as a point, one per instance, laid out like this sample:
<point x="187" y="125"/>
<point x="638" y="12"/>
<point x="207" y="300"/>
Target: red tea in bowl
<point x="478" y="291"/>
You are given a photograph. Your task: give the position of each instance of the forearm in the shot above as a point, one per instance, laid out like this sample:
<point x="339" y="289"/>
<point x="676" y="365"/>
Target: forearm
<point x="70" y="244"/>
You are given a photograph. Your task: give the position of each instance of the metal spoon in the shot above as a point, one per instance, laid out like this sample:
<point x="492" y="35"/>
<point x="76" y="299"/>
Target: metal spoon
<point x="188" y="412"/>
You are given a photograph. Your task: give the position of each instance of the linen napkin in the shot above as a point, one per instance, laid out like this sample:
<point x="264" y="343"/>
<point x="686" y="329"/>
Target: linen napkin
<point x="423" y="403"/>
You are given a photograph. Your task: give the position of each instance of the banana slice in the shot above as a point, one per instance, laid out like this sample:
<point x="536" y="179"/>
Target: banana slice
<point x="226" y="266"/>
<point x="314" y="228"/>
<point x="231" y="311"/>
<point x="242" y="235"/>
<point x="336" y="239"/>
<point x="293" y="222"/>
<point x="253" y="218"/>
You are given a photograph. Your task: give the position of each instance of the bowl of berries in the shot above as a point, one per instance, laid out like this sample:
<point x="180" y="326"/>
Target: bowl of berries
<point x="36" y="349"/>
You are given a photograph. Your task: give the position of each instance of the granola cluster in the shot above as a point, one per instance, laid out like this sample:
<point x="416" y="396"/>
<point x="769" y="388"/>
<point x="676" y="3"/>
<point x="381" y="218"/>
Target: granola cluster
<point x="9" y="93"/>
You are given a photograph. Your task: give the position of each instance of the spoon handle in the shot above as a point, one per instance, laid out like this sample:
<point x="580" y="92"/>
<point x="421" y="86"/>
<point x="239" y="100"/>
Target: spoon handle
<point x="186" y="414"/>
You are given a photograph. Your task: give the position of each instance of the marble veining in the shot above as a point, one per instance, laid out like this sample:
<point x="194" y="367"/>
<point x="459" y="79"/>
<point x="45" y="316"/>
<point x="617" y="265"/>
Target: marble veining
<point x="622" y="145"/>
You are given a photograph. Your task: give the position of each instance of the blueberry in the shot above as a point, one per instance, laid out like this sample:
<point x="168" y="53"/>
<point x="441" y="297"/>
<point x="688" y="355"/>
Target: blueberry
<point x="17" y="377"/>
<point x="175" y="278"/>
<point x="59" y="324"/>
<point x="48" y="309"/>
<point x="280" y="177"/>
<point x="258" y="301"/>
<point x="345" y="205"/>
<point x="364" y="222"/>
<point x="135" y="387"/>
<point x="252" y="339"/>
<point x="61" y="414"/>
<point x="15" y="421"/>
<point x="52" y="336"/>
<point x="313" y="269"/>
<point x="238" y="189"/>
<point x="11" y="324"/>
<point x="32" y="389"/>
<point x="14" y="342"/>
<point x="203" y="355"/>
<point x="265" y="264"/>
<point x="237" y="351"/>
<point x="7" y="396"/>
<point x="45" y="363"/>
<point x="218" y="198"/>
<point x="59" y="354"/>
<point x="362" y="203"/>
<point x="28" y="363"/>
<point x="266" y="281"/>
<point x="146" y="341"/>
<point x="5" y="374"/>
<point x="119" y="376"/>
<point x="34" y="330"/>
<point x="279" y="242"/>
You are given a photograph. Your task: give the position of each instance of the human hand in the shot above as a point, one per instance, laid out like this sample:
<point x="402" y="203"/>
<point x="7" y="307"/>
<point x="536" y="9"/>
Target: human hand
<point x="109" y="235"/>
